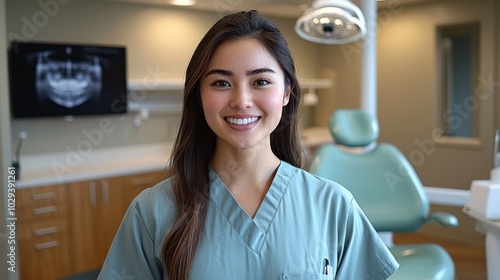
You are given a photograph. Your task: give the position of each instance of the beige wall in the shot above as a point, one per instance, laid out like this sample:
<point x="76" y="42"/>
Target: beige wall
<point x="408" y="87"/>
<point x="408" y="95"/>
<point x="158" y="39"/>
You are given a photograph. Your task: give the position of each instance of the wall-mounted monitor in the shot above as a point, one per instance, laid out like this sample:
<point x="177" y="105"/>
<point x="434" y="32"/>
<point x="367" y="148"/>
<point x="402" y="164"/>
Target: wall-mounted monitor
<point x="57" y="79"/>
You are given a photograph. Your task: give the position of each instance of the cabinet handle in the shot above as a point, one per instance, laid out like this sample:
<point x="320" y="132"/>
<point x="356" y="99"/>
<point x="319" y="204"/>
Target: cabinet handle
<point x="92" y="193"/>
<point x="141" y="181"/>
<point x="46" y="245"/>
<point x="40" y="196"/>
<point x="44" y="210"/>
<point x="45" y="231"/>
<point x="105" y="191"/>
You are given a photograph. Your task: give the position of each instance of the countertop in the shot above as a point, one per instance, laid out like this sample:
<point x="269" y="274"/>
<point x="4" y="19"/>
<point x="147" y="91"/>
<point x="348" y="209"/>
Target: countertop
<point x="80" y="165"/>
<point x="91" y="163"/>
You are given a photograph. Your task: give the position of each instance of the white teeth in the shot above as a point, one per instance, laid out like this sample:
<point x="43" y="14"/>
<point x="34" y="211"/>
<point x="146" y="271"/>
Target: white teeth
<point x="239" y="121"/>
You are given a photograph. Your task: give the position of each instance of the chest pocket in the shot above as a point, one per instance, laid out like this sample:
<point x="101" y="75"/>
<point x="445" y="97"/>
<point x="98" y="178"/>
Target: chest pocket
<point x="297" y="276"/>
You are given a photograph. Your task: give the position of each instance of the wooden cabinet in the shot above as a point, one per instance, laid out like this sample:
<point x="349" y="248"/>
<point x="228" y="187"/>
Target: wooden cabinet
<point x="43" y="236"/>
<point x="96" y="210"/>
<point x="68" y="229"/>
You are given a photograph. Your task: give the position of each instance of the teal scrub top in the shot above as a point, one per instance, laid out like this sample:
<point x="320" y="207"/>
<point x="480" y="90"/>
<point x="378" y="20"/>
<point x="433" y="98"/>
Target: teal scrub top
<point x="303" y="223"/>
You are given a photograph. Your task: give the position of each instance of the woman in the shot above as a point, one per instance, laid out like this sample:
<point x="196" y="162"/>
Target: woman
<point x="238" y="206"/>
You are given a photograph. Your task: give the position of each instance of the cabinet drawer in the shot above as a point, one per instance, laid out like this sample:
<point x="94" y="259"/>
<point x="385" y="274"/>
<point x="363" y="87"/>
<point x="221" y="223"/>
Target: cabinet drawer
<point x="40" y="230"/>
<point x="146" y="179"/>
<point x="40" y="195"/>
<point x="45" y="257"/>
<point x="42" y="211"/>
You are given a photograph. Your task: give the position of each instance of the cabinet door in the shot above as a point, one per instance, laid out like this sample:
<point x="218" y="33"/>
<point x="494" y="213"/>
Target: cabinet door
<point x="111" y="211"/>
<point x="96" y="212"/>
<point x="84" y="238"/>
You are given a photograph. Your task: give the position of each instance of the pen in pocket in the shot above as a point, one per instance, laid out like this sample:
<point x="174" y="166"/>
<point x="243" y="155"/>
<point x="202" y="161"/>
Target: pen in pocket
<point x="327" y="268"/>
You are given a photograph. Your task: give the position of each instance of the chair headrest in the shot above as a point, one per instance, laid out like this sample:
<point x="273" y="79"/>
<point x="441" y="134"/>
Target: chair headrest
<point x="353" y="128"/>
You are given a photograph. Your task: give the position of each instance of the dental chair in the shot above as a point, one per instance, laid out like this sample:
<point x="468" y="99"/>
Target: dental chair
<point x="388" y="190"/>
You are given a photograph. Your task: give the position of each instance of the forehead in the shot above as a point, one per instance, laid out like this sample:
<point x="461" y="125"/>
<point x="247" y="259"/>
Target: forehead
<point x="244" y="54"/>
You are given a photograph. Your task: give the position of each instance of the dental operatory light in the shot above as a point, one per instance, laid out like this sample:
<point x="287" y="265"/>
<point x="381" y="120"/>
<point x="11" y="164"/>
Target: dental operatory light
<point x="332" y="22"/>
<point x="182" y="2"/>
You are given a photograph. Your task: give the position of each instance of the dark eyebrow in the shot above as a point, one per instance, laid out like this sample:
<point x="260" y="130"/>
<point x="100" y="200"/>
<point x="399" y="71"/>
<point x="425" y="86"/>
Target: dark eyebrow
<point x="220" y="72"/>
<point x="249" y="73"/>
<point x="260" y="70"/>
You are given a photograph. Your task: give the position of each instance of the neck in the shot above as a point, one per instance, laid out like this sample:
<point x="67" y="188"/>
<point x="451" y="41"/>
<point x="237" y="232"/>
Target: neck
<point x="249" y="168"/>
<point x="247" y="174"/>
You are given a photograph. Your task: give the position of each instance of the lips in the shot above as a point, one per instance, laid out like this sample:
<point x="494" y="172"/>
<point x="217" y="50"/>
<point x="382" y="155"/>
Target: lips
<point x="241" y="121"/>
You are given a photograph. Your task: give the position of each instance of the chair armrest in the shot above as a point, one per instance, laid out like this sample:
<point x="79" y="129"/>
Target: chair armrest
<point x="442" y="218"/>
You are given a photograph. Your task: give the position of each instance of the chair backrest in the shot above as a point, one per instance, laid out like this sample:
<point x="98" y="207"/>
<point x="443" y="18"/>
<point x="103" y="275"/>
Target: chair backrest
<point x="353" y="128"/>
<point x="383" y="182"/>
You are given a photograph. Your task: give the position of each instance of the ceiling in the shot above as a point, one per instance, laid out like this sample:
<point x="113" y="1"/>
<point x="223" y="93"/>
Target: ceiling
<point x="282" y="8"/>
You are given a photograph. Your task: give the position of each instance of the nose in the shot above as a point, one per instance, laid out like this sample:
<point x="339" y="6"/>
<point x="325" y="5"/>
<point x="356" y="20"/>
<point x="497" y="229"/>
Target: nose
<point x="241" y="98"/>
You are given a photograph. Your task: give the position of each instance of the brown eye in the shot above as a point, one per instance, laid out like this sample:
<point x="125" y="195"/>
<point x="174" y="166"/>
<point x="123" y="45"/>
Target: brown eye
<point x="221" y="83"/>
<point x="262" y="82"/>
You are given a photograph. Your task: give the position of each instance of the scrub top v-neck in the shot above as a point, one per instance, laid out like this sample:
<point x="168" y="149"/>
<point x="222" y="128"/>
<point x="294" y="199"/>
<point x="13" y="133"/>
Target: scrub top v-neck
<point x="303" y="223"/>
<point x="251" y="231"/>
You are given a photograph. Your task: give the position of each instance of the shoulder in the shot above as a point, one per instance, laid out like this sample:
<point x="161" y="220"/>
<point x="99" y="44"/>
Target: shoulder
<point x="156" y="206"/>
<point x="159" y="193"/>
<point x="315" y="189"/>
<point x="303" y="179"/>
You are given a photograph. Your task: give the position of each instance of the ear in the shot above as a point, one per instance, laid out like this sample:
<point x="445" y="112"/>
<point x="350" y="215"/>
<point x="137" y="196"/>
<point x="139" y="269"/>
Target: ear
<point x="286" y="97"/>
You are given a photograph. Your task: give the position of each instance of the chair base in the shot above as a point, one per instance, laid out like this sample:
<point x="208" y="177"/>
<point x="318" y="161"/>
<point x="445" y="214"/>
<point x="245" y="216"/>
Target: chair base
<point x="422" y="261"/>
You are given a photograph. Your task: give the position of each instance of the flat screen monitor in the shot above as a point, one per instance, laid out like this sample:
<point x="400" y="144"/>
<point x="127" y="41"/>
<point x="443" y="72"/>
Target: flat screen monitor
<point x="57" y="79"/>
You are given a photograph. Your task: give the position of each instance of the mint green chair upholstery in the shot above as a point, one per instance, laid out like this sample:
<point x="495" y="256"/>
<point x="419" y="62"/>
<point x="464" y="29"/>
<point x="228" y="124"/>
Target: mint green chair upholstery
<point x="387" y="188"/>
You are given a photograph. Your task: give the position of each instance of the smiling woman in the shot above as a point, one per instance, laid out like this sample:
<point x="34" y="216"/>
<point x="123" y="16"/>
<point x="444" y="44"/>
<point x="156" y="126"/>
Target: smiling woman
<point x="238" y="206"/>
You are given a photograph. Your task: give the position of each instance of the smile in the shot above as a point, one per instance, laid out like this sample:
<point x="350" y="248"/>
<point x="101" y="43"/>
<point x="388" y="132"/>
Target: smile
<point x="242" y="121"/>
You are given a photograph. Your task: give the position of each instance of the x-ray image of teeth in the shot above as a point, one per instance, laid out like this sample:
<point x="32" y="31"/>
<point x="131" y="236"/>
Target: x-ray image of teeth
<point x="68" y="79"/>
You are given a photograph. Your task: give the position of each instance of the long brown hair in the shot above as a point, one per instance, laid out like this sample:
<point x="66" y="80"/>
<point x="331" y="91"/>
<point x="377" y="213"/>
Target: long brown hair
<point x="195" y="142"/>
